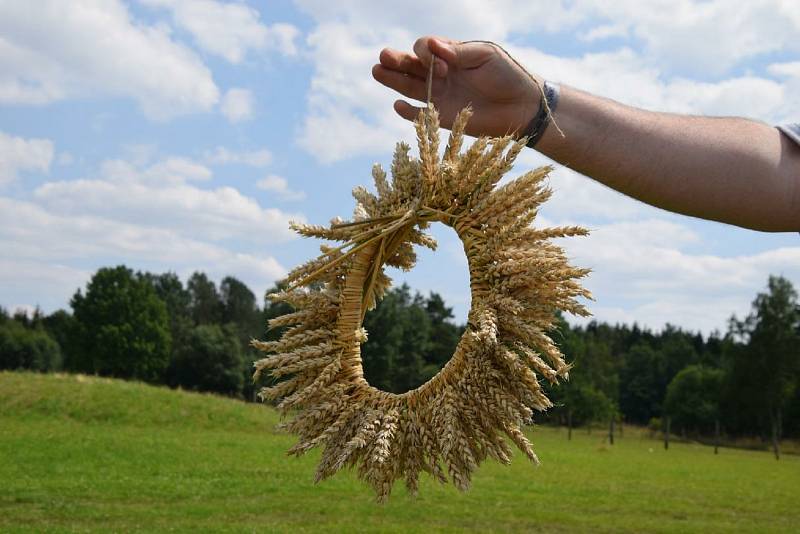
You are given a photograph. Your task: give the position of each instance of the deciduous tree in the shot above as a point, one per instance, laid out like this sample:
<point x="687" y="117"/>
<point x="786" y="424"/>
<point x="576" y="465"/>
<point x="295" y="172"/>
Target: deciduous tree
<point x="122" y="327"/>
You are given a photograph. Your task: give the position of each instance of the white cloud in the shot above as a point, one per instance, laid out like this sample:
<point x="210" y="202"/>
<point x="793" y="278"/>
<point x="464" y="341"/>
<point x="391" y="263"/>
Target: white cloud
<point x="789" y="73"/>
<point x="172" y="170"/>
<point x="51" y="236"/>
<point x="283" y="36"/>
<point x="224" y="156"/>
<point x="237" y="105"/>
<point x="48" y="250"/>
<point x="690" y="36"/>
<point x="790" y="69"/>
<point x="160" y="196"/>
<point x="684" y="36"/>
<point x="140" y="154"/>
<point x="576" y="197"/>
<point x="606" y="31"/>
<point x="349" y="113"/>
<point x="51" y="50"/>
<point x="332" y="134"/>
<point x="26" y="283"/>
<point x="280" y="186"/>
<point x="705" y="38"/>
<point x="684" y="66"/>
<point x="646" y="268"/>
<point x="150" y="216"/>
<point x="459" y="19"/>
<point x="627" y="77"/>
<point x="19" y="154"/>
<point x="229" y="29"/>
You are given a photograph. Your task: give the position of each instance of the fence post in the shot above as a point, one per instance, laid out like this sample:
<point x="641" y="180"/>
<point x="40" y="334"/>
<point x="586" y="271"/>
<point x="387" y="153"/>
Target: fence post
<point x="611" y="431"/>
<point x="775" y="438"/>
<point x="569" y="425"/>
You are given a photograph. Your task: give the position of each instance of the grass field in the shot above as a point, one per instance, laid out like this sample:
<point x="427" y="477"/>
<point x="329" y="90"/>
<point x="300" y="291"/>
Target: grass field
<point x="80" y="453"/>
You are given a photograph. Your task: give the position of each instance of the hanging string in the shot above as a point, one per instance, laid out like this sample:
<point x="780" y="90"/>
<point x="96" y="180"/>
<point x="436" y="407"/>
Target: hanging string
<point x="533" y="78"/>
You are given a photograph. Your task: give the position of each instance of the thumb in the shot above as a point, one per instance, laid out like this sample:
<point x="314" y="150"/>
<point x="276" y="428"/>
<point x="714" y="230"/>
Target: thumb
<point x="446" y="49"/>
<point x="443" y="49"/>
<point x="406" y="110"/>
<point x="450" y="53"/>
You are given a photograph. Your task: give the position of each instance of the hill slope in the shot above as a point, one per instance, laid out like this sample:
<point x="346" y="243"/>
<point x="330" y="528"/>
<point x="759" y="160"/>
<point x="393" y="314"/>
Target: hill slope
<point x="95" y="400"/>
<point x="88" y="453"/>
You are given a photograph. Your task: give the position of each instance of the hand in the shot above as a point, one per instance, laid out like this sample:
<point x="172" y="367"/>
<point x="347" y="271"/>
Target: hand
<point x="503" y="96"/>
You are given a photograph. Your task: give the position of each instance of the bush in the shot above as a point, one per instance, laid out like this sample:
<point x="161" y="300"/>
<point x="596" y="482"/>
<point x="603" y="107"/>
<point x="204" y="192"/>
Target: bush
<point x="26" y="348"/>
<point x="655" y="426"/>
<point x="693" y="396"/>
<point x="211" y="360"/>
<point x="587" y="403"/>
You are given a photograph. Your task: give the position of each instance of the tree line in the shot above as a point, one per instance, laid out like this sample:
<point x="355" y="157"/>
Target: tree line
<point x="152" y="327"/>
<point x="745" y="382"/>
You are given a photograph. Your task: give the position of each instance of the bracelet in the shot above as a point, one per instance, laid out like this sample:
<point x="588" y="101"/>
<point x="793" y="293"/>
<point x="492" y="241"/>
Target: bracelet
<point x="540" y="121"/>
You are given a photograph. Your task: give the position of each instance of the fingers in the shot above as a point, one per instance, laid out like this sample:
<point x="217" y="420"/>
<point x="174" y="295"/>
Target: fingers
<point x="406" y="110"/>
<point x="466" y="55"/>
<point x="411" y="113"/>
<point x="447" y="49"/>
<point x="443" y="48"/>
<point x="407" y="85"/>
<point x="403" y="62"/>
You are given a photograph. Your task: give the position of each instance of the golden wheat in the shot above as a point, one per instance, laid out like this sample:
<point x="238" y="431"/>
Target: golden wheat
<point x="490" y="387"/>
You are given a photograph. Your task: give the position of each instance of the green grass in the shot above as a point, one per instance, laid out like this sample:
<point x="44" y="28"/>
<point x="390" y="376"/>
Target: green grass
<point x="80" y="453"/>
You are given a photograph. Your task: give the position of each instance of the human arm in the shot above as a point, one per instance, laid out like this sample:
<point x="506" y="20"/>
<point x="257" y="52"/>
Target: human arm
<point x="731" y="170"/>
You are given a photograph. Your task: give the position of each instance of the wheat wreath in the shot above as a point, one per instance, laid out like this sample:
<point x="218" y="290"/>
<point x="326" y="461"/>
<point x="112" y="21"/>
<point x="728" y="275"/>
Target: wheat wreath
<point x="490" y="387"/>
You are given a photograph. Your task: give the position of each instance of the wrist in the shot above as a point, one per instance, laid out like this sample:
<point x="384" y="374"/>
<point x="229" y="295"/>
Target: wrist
<point x="548" y="97"/>
<point x="529" y="106"/>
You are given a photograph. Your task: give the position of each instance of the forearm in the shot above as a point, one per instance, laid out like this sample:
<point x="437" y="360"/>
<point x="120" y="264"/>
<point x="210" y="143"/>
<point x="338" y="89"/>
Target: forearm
<point x="726" y="169"/>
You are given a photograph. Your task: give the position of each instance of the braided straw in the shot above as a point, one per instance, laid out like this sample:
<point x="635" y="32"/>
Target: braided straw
<point x="490" y="387"/>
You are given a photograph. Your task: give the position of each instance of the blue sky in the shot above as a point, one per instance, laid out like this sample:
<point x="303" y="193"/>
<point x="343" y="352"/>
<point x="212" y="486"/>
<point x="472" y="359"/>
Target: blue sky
<point x="184" y="135"/>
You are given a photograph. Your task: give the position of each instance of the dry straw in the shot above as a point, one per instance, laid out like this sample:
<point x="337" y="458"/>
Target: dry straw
<point x="491" y="387"/>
